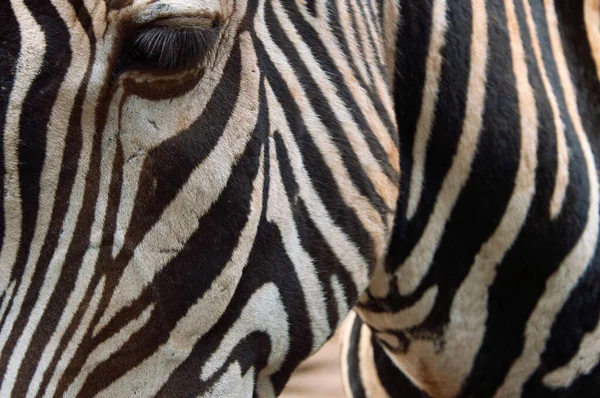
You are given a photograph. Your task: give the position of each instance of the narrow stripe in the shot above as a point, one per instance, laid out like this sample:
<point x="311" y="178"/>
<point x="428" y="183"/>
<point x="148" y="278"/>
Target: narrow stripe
<point x="74" y="342"/>
<point x="344" y="249"/>
<point x="562" y="172"/>
<point x="349" y="33"/>
<point x="106" y="349"/>
<point x="338" y="294"/>
<point x="439" y="27"/>
<point x="386" y="188"/>
<point x="364" y="211"/>
<point x="361" y="96"/>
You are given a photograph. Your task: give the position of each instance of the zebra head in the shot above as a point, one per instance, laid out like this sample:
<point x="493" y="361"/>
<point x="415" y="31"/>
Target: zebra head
<point x="195" y="192"/>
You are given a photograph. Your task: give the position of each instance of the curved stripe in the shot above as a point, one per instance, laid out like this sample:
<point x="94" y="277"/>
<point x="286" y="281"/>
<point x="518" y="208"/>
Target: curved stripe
<point x="151" y="374"/>
<point x="195" y="198"/>
<point x="562" y="172"/>
<point x="433" y="67"/>
<point x="368" y="370"/>
<point x="411" y="273"/>
<point x="469" y="311"/>
<point x="344" y="249"/>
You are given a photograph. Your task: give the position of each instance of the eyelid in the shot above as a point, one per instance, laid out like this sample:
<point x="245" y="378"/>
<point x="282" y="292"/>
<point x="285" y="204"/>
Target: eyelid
<point x="181" y="12"/>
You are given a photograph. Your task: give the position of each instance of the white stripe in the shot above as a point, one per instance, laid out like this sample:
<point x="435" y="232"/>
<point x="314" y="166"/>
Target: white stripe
<point x="469" y="311"/>
<point x="264" y="312"/>
<point x="591" y="13"/>
<point x="411" y="273"/>
<point x="344" y="18"/>
<point x="582" y="363"/>
<point x="562" y="151"/>
<point x="359" y="93"/>
<point x="7" y="295"/>
<point x="340" y="298"/>
<point x="57" y="261"/>
<point x="433" y="71"/>
<point x="106" y="349"/>
<point x="280" y="213"/>
<point x="233" y="384"/>
<point x="377" y="79"/>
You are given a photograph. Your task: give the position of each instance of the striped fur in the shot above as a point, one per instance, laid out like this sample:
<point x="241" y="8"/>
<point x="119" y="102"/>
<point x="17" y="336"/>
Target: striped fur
<point x="187" y="232"/>
<point x="491" y="287"/>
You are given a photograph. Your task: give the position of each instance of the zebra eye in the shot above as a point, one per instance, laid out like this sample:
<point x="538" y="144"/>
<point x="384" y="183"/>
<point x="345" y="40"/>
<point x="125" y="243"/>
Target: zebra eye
<point x="167" y="48"/>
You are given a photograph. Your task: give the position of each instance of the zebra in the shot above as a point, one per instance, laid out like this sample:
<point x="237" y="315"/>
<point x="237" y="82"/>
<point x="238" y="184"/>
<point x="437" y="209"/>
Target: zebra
<point x="194" y="192"/>
<point x="492" y="279"/>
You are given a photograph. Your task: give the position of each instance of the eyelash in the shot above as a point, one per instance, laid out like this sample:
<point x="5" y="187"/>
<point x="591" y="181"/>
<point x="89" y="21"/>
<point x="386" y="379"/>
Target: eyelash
<point x="168" y="48"/>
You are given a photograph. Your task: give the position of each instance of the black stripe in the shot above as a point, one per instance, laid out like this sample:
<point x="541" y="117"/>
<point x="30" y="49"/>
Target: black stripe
<point x="392" y="379"/>
<point x="353" y="360"/>
<point x="10" y="42"/>
<point x="411" y="54"/>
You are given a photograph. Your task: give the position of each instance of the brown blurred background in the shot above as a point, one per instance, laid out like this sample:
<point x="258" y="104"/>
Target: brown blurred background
<point x="319" y="376"/>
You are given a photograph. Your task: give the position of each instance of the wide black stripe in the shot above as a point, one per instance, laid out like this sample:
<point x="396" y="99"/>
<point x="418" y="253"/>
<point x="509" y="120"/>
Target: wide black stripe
<point x="582" y="68"/>
<point x="411" y="54"/>
<point x="268" y="262"/>
<point x="450" y="265"/>
<point x="450" y="111"/>
<point x="580" y="314"/>
<point x="10" y="42"/>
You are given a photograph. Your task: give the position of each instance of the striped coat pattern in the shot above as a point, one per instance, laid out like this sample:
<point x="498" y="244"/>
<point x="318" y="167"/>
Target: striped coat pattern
<point x="194" y="192"/>
<point x="491" y="287"/>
